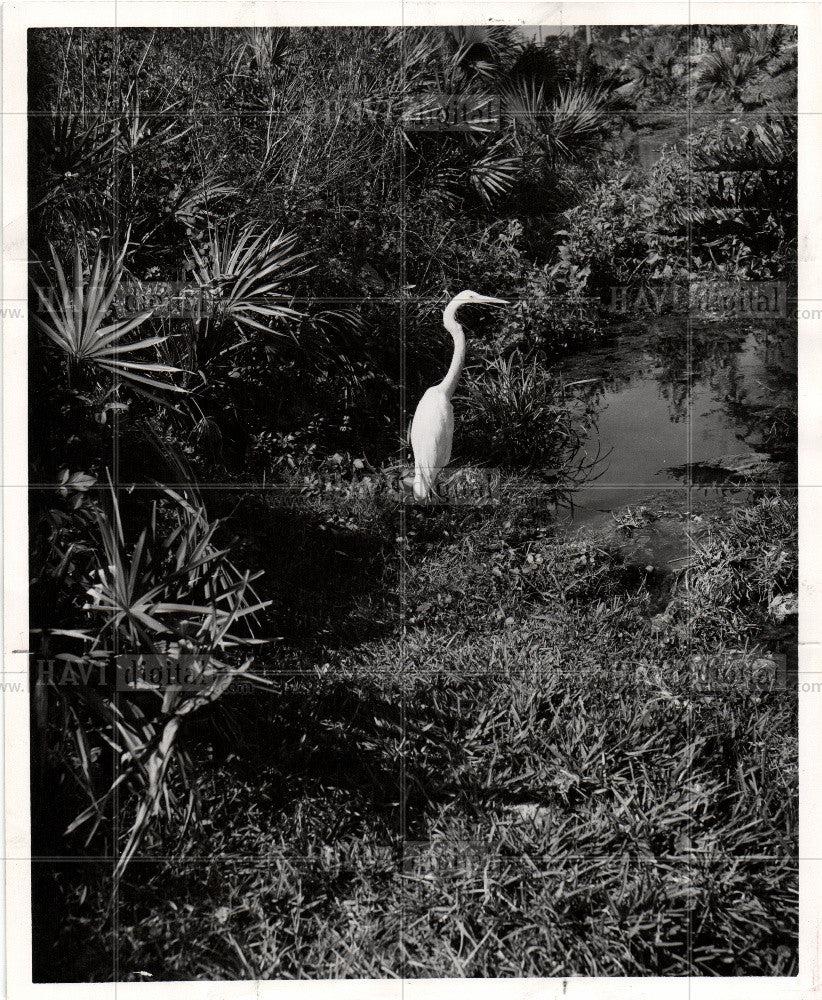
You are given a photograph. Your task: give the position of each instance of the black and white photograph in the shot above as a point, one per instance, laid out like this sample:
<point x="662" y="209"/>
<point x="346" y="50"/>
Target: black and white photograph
<point x="410" y="419"/>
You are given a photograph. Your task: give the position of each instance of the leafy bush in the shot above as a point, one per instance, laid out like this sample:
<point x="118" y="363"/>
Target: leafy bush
<point x="720" y="205"/>
<point x="743" y="217"/>
<point x="553" y="317"/>
<point x="629" y="230"/>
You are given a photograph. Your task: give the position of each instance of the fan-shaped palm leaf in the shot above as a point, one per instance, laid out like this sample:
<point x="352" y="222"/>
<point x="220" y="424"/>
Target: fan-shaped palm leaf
<point x="524" y="103"/>
<point x="260" y="49"/>
<point x="463" y="110"/>
<point x="247" y="271"/>
<point x="482" y="49"/>
<point x="494" y="174"/>
<point x="569" y="123"/>
<point x="74" y="321"/>
<point x="728" y="70"/>
<point x="577" y="115"/>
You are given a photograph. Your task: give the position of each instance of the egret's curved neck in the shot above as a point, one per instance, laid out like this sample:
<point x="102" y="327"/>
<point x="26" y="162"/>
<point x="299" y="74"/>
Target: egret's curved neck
<point x="449" y="383"/>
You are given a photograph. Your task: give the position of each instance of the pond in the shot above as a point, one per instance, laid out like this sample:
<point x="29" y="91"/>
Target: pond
<point x="740" y="379"/>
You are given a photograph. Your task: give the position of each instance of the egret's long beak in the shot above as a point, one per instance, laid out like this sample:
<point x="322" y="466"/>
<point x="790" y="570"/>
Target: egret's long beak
<point x="493" y="302"/>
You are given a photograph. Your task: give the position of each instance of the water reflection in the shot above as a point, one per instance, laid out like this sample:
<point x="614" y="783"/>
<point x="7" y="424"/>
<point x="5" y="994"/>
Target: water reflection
<point x="667" y="402"/>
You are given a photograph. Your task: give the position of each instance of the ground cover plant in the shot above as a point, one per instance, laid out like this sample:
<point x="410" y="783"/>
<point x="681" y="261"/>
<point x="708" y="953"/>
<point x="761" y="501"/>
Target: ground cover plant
<point x="563" y="802"/>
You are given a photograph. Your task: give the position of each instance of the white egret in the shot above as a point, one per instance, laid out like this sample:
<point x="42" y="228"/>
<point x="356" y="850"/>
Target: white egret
<point x="432" y="429"/>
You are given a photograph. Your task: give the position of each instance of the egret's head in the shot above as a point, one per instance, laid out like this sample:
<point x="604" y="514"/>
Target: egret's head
<point x="469" y="298"/>
<point x="473" y="298"/>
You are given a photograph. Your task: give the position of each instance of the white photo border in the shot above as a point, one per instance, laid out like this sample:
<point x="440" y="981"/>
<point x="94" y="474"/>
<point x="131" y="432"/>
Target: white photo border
<point x="17" y="18"/>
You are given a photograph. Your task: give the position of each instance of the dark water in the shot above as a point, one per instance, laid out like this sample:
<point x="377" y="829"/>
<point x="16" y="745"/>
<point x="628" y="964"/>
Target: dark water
<point x="666" y="403"/>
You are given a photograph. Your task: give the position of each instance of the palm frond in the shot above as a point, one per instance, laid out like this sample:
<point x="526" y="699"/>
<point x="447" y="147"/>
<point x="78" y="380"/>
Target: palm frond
<point x="193" y="206"/>
<point x="73" y="313"/>
<point x="172" y="607"/>
<point x="524" y="103"/>
<point x="494" y="174"/>
<point x="578" y="114"/>
<point x="260" y="50"/>
<point x="482" y="50"/>
<point x="74" y="157"/>
<point x="248" y="272"/>
<point x="727" y="70"/>
<point x="564" y="126"/>
<point x="136" y="126"/>
<point x="73" y="143"/>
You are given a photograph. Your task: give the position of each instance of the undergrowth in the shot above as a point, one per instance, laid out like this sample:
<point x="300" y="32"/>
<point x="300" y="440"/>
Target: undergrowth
<point x="520" y="772"/>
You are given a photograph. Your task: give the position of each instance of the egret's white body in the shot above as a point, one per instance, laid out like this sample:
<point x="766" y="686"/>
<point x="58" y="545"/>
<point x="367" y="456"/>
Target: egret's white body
<point x="432" y="429"/>
<point x="432" y="435"/>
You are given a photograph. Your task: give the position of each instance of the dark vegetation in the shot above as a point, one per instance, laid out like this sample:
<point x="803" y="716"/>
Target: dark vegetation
<point x="379" y="686"/>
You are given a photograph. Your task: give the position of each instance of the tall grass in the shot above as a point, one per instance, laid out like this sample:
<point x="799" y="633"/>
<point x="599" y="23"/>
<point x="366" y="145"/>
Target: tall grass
<point x="517" y="414"/>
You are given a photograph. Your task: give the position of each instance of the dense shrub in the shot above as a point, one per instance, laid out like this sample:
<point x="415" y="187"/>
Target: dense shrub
<point x="720" y="205"/>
